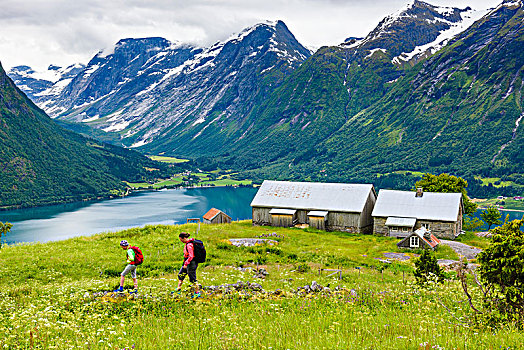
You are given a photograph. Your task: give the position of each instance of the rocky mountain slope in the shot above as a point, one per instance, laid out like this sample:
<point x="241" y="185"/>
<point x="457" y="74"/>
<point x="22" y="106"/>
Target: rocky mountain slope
<point x="429" y="89"/>
<point x="337" y="83"/>
<point x="460" y="110"/>
<point x="153" y="91"/>
<point x="42" y="163"/>
<point x="40" y="86"/>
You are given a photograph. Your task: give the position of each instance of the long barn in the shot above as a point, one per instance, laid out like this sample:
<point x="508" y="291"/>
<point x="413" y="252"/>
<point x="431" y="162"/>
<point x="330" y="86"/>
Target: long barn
<point x="326" y="206"/>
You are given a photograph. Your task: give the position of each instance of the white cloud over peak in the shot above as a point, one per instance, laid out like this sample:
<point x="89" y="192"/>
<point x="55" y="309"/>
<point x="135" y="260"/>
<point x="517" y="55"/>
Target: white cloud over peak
<point x="38" y="33"/>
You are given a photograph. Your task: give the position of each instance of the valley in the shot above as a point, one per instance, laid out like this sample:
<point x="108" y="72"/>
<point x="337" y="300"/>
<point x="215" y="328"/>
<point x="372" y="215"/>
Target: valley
<point x="445" y="97"/>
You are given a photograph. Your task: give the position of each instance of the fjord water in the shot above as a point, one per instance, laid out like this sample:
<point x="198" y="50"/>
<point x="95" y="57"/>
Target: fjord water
<point x="168" y="207"/>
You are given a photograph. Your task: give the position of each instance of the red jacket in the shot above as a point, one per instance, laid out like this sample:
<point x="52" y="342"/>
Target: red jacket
<point x="189" y="252"/>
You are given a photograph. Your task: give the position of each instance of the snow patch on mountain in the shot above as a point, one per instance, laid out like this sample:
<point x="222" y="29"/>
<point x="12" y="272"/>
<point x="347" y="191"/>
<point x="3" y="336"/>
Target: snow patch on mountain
<point x="468" y="18"/>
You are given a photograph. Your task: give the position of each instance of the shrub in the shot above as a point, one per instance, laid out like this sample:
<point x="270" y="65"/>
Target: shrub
<point x="502" y="273"/>
<point x="427" y="268"/>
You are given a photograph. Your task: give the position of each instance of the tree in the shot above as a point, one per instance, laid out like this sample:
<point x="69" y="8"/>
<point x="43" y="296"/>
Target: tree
<point x="448" y="184"/>
<point x="472" y="223"/>
<point x="427" y="265"/>
<point x="491" y="216"/>
<point x="501" y="269"/>
<point x="4" y="228"/>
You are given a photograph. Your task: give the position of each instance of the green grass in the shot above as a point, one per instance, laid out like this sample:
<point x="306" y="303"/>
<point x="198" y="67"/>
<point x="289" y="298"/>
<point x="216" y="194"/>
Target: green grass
<point x="46" y="296"/>
<point x="404" y="172"/>
<point x="203" y="179"/>
<point x="470" y="238"/>
<point x="505" y="203"/>
<point x="227" y="182"/>
<point x="495" y="181"/>
<point x="168" y="159"/>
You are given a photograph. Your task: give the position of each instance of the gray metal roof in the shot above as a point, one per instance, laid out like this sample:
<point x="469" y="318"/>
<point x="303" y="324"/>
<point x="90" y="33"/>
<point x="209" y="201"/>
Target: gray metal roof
<point x="431" y="206"/>
<point x="395" y="221"/>
<point x="317" y="213"/>
<point x="280" y="211"/>
<point x="313" y="196"/>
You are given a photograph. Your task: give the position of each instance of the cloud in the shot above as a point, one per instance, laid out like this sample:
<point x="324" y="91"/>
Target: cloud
<point x="38" y="32"/>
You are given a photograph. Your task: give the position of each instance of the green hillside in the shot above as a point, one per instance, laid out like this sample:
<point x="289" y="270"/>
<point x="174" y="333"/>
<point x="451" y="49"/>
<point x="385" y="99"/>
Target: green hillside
<point x="53" y="295"/>
<point x="42" y="163"/>
<point x="347" y="115"/>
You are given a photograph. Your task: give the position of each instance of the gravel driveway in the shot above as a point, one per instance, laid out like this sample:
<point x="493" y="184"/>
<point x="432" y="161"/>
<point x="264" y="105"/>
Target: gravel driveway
<point x="462" y="249"/>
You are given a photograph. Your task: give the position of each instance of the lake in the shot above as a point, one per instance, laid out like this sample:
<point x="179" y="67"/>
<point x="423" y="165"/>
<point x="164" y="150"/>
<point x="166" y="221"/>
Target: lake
<point x="513" y="215"/>
<point x="166" y="207"/>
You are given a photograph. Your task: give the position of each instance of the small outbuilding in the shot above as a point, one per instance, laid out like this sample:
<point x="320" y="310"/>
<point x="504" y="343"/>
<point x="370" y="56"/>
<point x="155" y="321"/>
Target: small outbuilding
<point x="325" y="206"/>
<point x="400" y="213"/>
<point x="420" y="239"/>
<point x="216" y="216"/>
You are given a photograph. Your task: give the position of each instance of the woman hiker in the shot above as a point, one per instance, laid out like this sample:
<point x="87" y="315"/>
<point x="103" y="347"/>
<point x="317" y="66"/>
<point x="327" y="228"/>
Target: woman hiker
<point x="132" y="263"/>
<point x="190" y="265"/>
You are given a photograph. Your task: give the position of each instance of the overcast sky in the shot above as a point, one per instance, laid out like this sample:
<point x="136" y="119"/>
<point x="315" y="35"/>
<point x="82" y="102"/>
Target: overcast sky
<point x="40" y="32"/>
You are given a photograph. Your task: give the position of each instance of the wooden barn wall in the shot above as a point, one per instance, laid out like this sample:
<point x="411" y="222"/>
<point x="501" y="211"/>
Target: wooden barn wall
<point x="338" y="221"/>
<point x="366" y="220"/>
<point x="317" y="222"/>
<point x="301" y="216"/>
<point x="261" y="216"/>
<point x="282" y="220"/>
<point x="221" y="219"/>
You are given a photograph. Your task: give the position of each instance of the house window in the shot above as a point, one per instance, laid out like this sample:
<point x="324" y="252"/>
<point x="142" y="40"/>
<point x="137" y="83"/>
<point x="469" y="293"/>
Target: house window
<point x="413" y="241"/>
<point x="426" y="226"/>
<point x="404" y="229"/>
<point x="394" y="229"/>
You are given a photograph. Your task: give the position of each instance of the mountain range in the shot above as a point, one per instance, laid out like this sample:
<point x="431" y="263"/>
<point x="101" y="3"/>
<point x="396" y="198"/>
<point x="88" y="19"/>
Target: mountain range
<point x="429" y="89"/>
<point x="43" y="163"/>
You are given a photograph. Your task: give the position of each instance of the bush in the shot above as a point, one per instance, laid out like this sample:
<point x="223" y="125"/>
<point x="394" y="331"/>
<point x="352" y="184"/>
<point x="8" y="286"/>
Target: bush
<point x="427" y="268"/>
<point x="502" y="273"/>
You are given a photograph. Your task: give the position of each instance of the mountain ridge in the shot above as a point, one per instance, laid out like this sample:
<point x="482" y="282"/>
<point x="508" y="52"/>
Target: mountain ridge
<point x="42" y="163"/>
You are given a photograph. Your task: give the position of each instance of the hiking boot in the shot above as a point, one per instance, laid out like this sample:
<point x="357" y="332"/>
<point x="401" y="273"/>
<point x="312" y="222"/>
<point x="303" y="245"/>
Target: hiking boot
<point x="119" y="290"/>
<point x="134" y="291"/>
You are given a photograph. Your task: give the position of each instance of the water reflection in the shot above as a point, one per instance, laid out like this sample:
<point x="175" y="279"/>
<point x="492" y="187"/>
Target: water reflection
<point x="144" y="208"/>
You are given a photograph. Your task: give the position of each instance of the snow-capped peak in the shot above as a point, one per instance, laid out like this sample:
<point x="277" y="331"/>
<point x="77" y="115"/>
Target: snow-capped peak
<point x="244" y="33"/>
<point x="468" y="17"/>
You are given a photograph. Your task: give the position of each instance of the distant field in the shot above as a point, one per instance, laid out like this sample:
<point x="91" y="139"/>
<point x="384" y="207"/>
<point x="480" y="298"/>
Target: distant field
<point x="495" y="181"/>
<point x="404" y="172"/>
<point x="199" y="179"/>
<point x="51" y="295"/>
<point x="505" y="203"/>
<point x="227" y="182"/>
<point x="168" y="159"/>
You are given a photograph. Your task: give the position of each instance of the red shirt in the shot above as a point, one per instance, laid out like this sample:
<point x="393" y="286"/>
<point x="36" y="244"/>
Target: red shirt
<point x="189" y="252"/>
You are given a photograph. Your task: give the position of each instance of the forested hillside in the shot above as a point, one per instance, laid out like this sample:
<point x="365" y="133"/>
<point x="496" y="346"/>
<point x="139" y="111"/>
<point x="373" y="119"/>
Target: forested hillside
<point x="458" y="111"/>
<point x="42" y="163"/>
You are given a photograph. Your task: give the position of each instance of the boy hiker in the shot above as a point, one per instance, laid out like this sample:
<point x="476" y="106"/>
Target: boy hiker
<point x="194" y="253"/>
<point x="134" y="258"/>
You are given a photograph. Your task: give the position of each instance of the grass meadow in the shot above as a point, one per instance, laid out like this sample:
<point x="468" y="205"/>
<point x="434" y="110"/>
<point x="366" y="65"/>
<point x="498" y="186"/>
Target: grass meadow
<point x="50" y="295"/>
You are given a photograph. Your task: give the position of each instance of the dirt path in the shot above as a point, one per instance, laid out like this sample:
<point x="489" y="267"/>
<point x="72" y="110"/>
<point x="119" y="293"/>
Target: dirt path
<point x="462" y="249"/>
